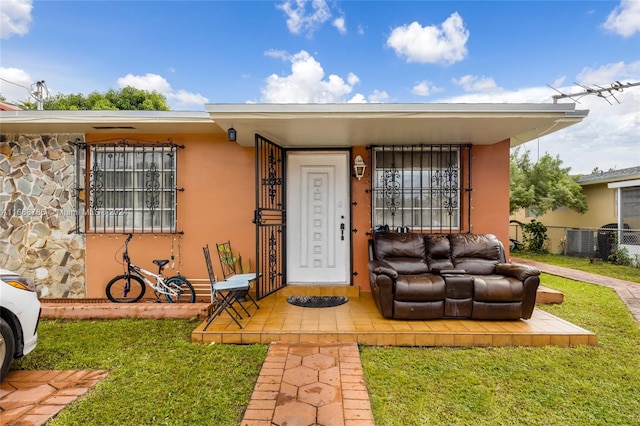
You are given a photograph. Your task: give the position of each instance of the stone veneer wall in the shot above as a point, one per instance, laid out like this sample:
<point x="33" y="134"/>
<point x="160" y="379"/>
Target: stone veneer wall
<point x="38" y="235"/>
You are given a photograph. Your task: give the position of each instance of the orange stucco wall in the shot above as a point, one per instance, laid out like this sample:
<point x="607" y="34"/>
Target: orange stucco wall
<point x="217" y="205"/>
<point x="490" y="195"/>
<point x="219" y="200"/>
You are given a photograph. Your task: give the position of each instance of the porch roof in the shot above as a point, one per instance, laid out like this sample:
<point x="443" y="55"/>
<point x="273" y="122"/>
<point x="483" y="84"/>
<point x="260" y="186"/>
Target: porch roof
<point x="128" y="122"/>
<point x="320" y="125"/>
<point x="334" y="125"/>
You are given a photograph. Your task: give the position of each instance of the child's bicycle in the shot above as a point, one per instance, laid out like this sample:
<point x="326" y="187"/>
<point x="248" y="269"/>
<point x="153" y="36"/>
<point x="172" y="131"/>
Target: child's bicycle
<point x="130" y="286"/>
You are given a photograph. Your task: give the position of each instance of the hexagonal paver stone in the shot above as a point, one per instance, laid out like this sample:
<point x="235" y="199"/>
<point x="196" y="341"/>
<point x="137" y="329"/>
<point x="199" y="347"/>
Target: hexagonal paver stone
<point x="330" y="376"/>
<point x="300" y="376"/>
<point x="295" y="414"/>
<point x="293" y="361"/>
<point x="317" y="394"/>
<point x="318" y="361"/>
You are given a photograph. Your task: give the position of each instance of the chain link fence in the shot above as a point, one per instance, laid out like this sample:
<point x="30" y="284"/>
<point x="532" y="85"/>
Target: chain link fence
<point x="592" y="243"/>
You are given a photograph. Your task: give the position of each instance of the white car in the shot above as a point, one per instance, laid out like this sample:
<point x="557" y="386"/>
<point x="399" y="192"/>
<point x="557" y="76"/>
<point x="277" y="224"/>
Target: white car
<point x="19" y="317"/>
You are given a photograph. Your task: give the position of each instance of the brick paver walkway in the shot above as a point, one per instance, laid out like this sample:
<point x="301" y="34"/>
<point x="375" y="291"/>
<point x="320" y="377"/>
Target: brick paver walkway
<point x="308" y="384"/>
<point x="30" y="398"/>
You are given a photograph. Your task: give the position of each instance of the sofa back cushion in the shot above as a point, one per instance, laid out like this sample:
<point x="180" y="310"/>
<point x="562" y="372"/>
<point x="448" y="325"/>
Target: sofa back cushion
<point x="438" y="252"/>
<point x="477" y="254"/>
<point x="405" y="252"/>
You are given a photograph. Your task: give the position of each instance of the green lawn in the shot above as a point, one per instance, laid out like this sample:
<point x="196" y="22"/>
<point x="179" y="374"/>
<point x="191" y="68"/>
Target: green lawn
<point x="518" y="386"/>
<point x="159" y="377"/>
<point x="628" y="273"/>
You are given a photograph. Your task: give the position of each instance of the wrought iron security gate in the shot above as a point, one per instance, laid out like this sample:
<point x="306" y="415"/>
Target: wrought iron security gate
<point x="270" y="217"/>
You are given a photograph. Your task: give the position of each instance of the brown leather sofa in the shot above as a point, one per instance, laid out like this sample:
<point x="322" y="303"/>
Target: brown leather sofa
<point x="426" y="276"/>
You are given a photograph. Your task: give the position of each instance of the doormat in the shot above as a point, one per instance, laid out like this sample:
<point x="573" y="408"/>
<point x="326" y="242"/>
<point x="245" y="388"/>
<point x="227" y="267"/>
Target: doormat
<point x="317" y="301"/>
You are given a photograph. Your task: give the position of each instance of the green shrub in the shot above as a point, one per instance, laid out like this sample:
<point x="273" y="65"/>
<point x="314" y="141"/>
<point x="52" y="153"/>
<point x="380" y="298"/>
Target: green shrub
<point x="535" y="237"/>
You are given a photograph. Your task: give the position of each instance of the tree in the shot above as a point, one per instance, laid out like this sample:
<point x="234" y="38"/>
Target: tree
<point x="543" y="186"/>
<point x="127" y="98"/>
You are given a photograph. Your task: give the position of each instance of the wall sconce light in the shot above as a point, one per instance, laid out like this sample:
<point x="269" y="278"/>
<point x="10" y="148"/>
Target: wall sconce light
<point x="359" y="167"/>
<point x="231" y="134"/>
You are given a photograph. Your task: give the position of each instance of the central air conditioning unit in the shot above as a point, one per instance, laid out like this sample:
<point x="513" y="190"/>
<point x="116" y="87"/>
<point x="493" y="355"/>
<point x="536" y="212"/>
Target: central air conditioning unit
<point x="581" y="242"/>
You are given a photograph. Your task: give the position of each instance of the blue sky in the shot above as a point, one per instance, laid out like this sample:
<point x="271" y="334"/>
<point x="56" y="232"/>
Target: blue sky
<point x="198" y="52"/>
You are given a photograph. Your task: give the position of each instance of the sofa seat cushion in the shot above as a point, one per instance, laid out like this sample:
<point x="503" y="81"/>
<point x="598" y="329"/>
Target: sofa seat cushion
<point x="420" y="288"/>
<point x="497" y="288"/>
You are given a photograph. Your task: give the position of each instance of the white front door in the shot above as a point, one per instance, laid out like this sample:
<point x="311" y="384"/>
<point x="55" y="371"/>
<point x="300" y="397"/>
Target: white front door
<point x="318" y="231"/>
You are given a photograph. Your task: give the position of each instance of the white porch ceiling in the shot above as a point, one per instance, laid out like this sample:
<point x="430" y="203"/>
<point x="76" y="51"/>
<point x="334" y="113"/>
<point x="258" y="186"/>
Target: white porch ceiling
<point x="319" y="125"/>
<point x="334" y="125"/>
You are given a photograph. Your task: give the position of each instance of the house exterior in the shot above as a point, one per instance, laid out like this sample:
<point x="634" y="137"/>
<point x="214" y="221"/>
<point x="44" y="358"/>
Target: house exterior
<point x="613" y="198"/>
<point x="278" y="181"/>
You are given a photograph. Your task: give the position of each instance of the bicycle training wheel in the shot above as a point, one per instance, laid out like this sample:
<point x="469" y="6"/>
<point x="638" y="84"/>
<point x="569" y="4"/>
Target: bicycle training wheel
<point x="183" y="288"/>
<point x="125" y="289"/>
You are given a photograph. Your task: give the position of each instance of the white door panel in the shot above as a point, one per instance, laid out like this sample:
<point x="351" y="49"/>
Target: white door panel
<point x="318" y="240"/>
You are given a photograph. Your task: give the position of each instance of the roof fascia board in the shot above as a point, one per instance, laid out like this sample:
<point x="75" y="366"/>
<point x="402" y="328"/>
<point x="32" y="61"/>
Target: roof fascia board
<point x="103" y="116"/>
<point x="624" y="184"/>
<point x="389" y="108"/>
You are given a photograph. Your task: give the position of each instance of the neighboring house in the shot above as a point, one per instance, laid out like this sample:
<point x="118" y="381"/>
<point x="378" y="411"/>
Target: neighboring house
<point x="4" y="106"/>
<point x="613" y="198"/>
<point x="277" y="180"/>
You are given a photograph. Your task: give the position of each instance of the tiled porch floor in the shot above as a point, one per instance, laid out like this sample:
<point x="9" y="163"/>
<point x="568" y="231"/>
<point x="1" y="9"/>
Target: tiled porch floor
<point x="358" y="321"/>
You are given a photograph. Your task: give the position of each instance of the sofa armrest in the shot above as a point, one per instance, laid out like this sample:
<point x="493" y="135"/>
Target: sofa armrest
<point x="380" y="267"/>
<point x="521" y="272"/>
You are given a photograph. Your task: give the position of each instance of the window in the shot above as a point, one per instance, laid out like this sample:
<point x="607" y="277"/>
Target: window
<point x="418" y="187"/>
<point x="132" y="188"/>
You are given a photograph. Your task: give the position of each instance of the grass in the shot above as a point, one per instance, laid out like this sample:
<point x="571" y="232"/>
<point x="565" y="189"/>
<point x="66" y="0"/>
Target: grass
<point x="157" y="376"/>
<point x="628" y="273"/>
<point x="517" y="385"/>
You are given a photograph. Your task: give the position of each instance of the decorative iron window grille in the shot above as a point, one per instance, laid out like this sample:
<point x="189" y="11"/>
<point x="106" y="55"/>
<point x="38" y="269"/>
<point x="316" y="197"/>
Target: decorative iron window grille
<point x="417" y="187"/>
<point x="132" y="187"/>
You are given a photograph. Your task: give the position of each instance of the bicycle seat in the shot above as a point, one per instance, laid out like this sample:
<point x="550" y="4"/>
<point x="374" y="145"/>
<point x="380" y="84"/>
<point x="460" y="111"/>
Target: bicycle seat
<point x="161" y="263"/>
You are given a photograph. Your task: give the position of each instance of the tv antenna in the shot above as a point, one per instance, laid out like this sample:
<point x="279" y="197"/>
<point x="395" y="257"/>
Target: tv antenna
<point x="39" y="92"/>
<point x="602" y="92"/>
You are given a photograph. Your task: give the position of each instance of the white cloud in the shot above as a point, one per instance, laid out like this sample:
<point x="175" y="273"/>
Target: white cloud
<point x="425" y="88"/>
<point x="15" y="17"/>
<point x="182" y="97"/>
<point x="154" y="82"/>
<point x="378" y="96"/>
<point x="308" y="83"/>
<point x="609" y="73"/>
<point x="149" y="82"/>
<point x="472" y="83"/>
<point x="606" y="138"/>
<point x="432" y="44"/>
<point x="358" y="98"/>
<point x="340" y="24"/>
<point x="301" y="20"/>
<point x="278" y="54"/>
<point x="15" y="84"/>
<point x="624" y="20"/>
